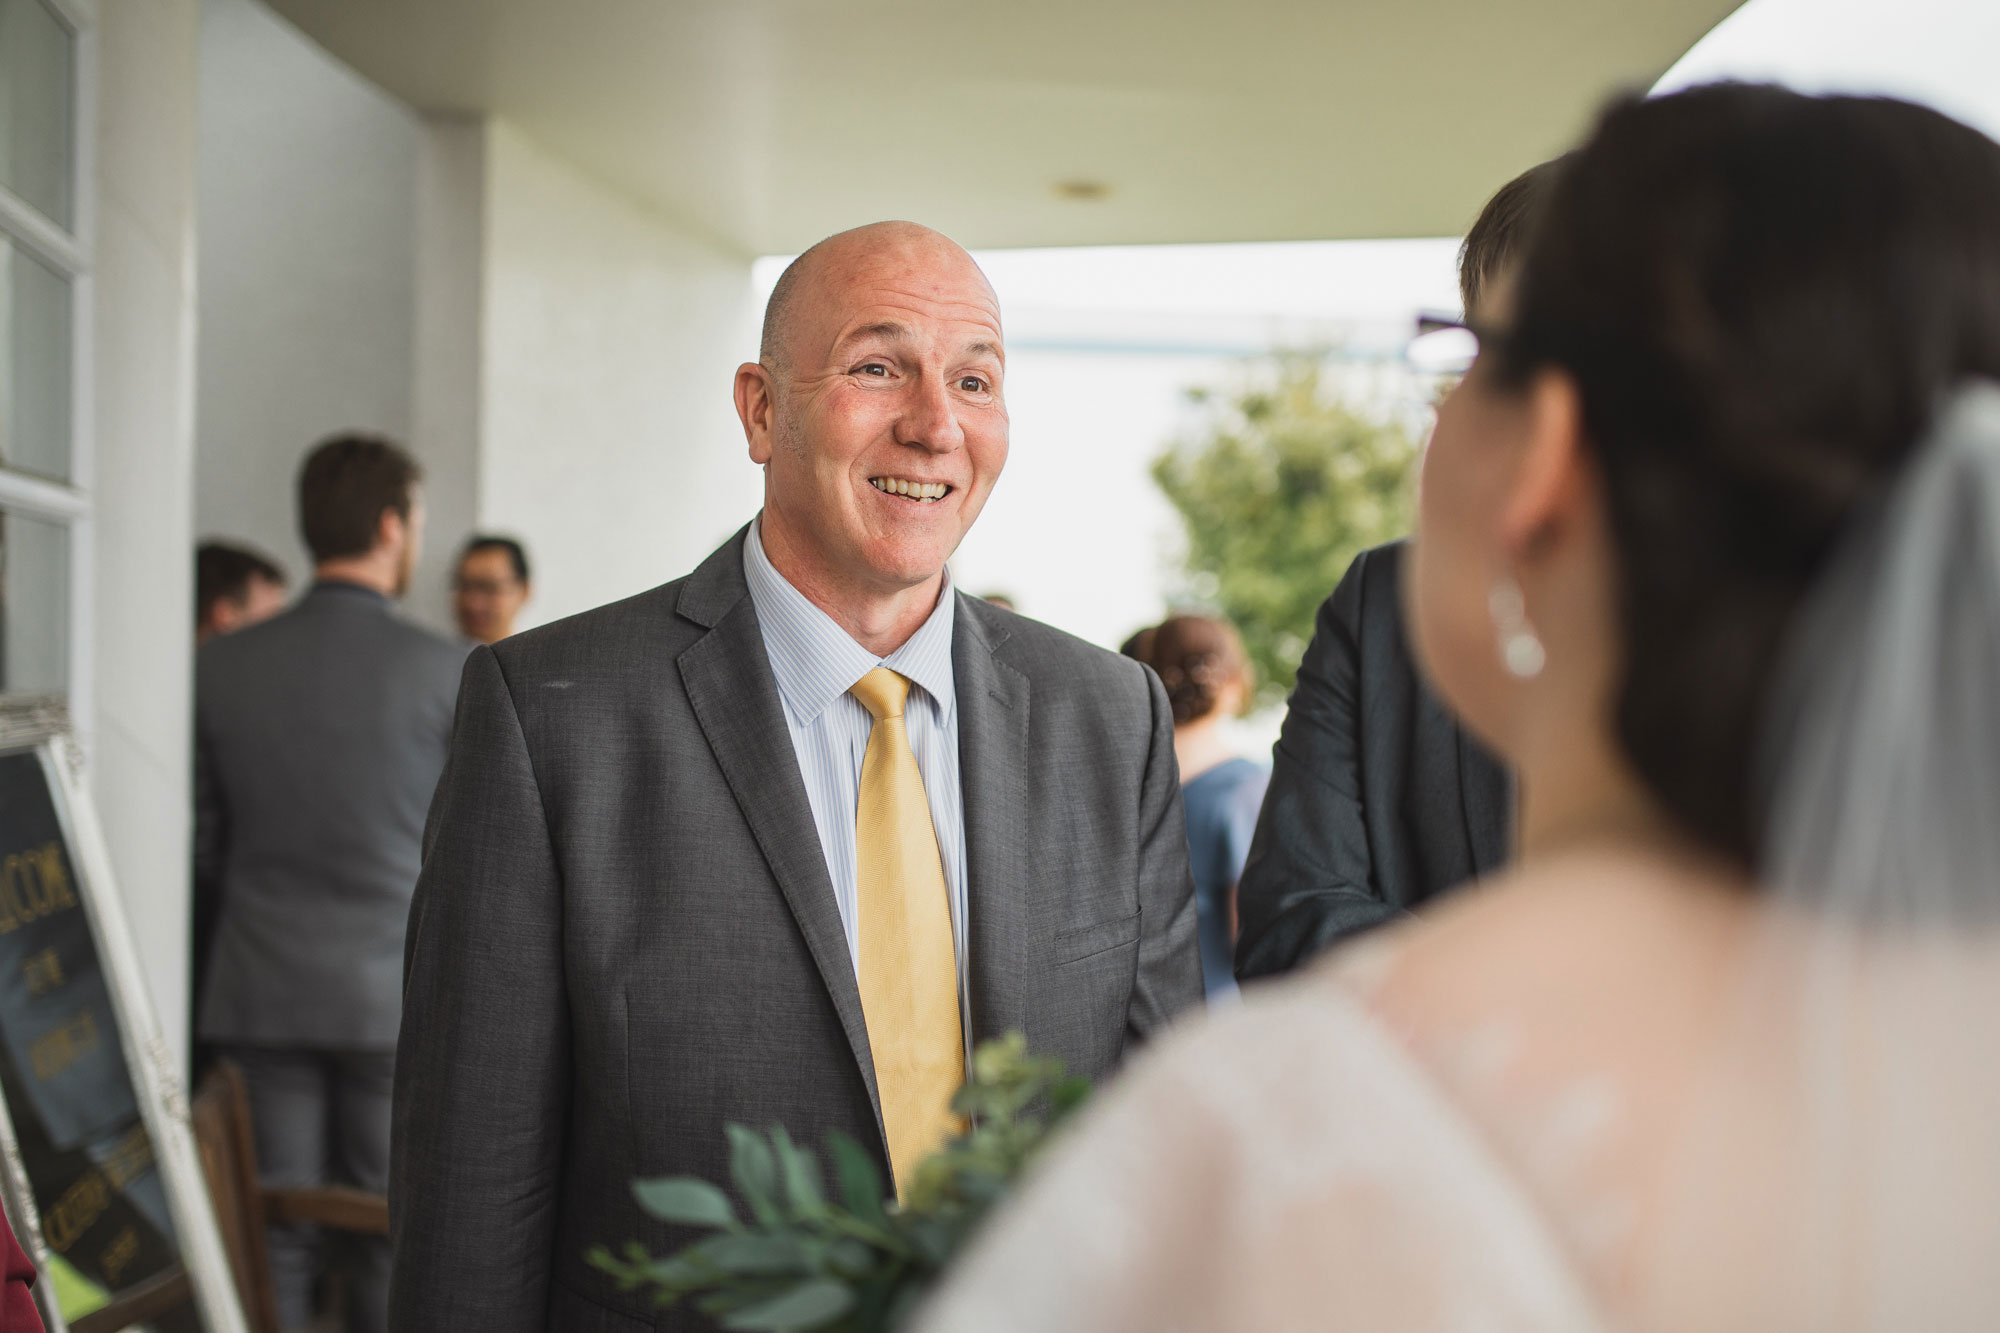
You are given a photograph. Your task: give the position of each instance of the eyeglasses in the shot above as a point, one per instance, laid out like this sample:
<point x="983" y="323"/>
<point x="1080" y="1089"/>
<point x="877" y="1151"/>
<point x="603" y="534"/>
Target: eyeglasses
<point x="483" y="587"/>
<point x="1442" y="345"/>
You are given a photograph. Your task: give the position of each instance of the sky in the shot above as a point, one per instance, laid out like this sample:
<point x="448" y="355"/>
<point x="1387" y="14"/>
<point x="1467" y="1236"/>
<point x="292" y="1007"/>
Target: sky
<point x="1105" y="342"/>
<point x="1943" y="53"/>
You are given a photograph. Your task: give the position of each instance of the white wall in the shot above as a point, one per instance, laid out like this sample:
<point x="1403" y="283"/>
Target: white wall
<point x="610" y="443"/>
<point x="309" y="206"/>
<point x="144" y="346"/>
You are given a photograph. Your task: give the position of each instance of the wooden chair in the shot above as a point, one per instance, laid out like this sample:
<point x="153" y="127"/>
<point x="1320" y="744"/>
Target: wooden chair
<point x="243" y="1208"/>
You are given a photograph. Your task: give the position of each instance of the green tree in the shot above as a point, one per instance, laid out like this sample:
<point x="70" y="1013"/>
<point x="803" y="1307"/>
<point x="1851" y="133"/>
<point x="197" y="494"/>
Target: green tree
<point x="1279" y="488"/>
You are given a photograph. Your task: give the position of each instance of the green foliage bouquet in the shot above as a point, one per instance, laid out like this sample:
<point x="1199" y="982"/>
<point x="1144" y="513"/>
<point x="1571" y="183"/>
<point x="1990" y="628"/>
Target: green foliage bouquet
<point x="848" y="1262"/>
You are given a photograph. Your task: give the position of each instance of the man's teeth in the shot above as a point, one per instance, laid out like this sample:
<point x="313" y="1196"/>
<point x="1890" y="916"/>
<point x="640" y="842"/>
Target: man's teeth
<point x="916" y="490"/>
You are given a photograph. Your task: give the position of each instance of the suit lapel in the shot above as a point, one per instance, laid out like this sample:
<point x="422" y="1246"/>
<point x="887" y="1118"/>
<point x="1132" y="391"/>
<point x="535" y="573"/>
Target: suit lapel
<point x="993" y="778"/>
<point x="735" y="699"/>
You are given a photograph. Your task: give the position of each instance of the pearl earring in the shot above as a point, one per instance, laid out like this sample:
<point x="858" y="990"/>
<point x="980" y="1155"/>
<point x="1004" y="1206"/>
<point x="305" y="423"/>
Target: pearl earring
<point x="1520" y="649"/>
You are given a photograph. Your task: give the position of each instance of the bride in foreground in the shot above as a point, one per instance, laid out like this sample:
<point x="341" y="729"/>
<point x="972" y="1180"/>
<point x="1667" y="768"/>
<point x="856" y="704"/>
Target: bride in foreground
<point x="1709" y="549"/>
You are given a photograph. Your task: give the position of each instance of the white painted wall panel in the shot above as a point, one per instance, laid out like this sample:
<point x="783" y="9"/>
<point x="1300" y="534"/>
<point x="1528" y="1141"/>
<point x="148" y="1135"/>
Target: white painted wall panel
<point x="611" y="445"/>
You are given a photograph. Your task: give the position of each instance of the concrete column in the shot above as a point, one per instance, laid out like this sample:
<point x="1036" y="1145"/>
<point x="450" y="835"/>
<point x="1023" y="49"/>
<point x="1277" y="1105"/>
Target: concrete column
<point x="144" y="347"/>
<point x="450" y="344"/>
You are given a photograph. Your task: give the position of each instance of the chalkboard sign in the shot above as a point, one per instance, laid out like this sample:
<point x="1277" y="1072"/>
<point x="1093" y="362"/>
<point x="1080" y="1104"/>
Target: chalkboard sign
<point x="100" y="1172"/>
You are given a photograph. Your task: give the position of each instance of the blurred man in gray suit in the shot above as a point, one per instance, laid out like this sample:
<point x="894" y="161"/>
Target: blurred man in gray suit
<point x="319" y="736"/>
<point x="775" y="842"/>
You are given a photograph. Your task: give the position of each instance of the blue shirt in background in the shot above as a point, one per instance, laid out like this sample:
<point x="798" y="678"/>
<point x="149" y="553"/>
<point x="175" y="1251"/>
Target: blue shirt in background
<point x="1222" y="805"/>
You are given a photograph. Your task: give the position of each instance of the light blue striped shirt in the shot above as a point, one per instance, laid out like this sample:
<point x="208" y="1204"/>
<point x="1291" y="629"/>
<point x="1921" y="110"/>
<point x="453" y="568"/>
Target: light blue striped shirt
<point x="816" y="662"/>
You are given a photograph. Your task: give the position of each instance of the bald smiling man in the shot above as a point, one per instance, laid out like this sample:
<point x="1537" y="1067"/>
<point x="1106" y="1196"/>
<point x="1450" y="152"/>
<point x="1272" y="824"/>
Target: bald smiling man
<point x="775" y="843"/>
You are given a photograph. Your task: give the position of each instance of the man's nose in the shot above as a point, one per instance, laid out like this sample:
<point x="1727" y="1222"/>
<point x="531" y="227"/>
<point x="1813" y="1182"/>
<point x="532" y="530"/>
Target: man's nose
<point x="930" y="417"/>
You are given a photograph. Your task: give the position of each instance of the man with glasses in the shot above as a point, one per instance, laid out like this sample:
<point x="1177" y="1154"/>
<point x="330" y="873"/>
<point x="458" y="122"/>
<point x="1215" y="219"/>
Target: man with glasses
<point x="1378" y="800"/>
<point x="489" y="588"/>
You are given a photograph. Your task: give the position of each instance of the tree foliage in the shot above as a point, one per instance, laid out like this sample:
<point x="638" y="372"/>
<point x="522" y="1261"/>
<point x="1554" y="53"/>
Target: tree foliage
<point x="807" y="1258"/>
<point x="1279" y="489"/>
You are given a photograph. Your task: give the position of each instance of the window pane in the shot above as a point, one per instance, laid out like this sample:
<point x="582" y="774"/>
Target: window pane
<point x="34" y="605"/>
<point x="37" y="78"/>
<point x="34" y="365"/>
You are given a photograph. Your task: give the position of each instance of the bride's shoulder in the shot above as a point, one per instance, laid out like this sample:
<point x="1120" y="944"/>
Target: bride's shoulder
<point x="1602" y="925"/>
<point x="1262" y="1166"/>
<point x="1306" y="1042"/>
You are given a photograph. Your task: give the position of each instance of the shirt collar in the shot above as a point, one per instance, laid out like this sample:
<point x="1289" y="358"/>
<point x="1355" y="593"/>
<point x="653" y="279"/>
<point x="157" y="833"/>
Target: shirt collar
<point x="814" y="659"/>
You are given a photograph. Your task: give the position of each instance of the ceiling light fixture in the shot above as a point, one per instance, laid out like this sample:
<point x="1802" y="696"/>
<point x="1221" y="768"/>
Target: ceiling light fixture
<point x="1081" y="191"/>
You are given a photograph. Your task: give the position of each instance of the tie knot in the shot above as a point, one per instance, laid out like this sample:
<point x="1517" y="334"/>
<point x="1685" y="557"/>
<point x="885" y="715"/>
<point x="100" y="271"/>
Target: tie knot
<point x="882" y="692"/>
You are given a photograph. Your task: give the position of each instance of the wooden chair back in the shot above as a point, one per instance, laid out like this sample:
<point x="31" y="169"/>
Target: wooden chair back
<point x="229" y="1159"/>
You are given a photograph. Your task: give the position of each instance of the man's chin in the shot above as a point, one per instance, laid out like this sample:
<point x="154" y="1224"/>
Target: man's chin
<point x="909" y="566"/>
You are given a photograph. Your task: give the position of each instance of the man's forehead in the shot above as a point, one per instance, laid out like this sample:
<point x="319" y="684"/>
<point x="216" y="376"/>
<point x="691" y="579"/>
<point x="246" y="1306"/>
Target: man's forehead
<point x="936" y="286"/>
<point x="898" y="318"/>
<point x="887" y="285"/>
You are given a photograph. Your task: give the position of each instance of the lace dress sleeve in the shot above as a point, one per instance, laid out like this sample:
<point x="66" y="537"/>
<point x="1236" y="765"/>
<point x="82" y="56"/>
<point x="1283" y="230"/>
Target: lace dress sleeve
<point x="1282" y="1165"/>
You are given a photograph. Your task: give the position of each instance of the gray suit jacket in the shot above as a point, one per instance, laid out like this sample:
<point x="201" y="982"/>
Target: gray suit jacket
<point x="319" y="737"/>
<point x="625" y="935"/>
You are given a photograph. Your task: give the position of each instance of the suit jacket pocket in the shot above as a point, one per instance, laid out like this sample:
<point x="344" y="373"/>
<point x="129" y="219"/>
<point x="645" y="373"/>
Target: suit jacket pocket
<point x="1073" y="946"/>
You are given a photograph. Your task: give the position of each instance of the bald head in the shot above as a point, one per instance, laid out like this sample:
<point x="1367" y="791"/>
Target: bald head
<point x="811" y="281"/>
<point x="877" y="412"/>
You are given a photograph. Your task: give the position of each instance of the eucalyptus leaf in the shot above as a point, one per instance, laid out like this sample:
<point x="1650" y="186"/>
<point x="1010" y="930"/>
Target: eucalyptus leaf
<point x="850" y="1257"/>
<point x="749" y="1254"/>
<point x="683" y="1199"/>
<point x="799" y="1170"/>
<point x="810" y="1305"/>
<point x="860" y="1180"/>
<point x="806" y="1259"/>
<point x="679" y="1272"/>
<point x="755" y="1171"/>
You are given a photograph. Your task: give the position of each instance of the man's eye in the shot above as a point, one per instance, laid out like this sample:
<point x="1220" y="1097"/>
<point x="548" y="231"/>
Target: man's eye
<point x="874" y="368"/>
<point x="971" y="384"/>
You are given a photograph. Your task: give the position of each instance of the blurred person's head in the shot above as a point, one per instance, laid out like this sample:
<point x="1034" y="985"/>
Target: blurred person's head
<point x="361" y="512"/>
<point x="1737" y="313"/>
<point x="1000" y="599"/>
<point x="875" y="410"/>
<point x="1201" y="663"/>
<point x="1492" y="248"/>
<point x="1138" y="644"/>
<point x="234" y="588"/>
<point x="489" y="587"/>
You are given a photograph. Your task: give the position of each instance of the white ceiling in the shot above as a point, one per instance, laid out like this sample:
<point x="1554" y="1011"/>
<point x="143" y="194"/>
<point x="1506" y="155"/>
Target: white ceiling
<point x="766" y="124"/>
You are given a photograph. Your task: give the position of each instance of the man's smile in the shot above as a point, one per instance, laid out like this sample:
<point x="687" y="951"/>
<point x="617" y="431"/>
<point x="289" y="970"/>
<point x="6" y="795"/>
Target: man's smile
<point x="923" y="492"/>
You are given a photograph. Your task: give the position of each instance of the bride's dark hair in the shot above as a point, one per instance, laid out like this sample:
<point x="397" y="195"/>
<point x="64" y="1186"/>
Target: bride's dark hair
<point x="1762" y="297"/>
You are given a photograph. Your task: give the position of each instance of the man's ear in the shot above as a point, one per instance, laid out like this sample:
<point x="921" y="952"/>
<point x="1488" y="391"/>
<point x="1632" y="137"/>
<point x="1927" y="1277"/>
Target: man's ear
<point x="1556" y="473"/>
<point x="756" y="405"/>
<point x="392" y="530"/>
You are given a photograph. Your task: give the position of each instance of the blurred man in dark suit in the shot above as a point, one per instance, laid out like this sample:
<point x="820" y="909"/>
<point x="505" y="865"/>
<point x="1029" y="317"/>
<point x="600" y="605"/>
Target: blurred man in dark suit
<point x="319" y="737"/>
<point x="1378" y="800"/>
<point x="234" y="588"/>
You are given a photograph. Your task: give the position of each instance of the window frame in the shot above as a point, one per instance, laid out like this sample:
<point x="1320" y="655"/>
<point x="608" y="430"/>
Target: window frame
<point x="70" y="503"/>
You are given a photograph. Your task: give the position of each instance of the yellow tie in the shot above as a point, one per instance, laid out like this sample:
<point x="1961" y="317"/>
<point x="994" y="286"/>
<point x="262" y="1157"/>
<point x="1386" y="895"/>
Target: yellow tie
<point x="908" y="969"/>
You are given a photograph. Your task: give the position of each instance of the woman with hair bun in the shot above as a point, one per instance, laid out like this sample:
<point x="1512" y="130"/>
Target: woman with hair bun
<point x="1708" y="549"/>
<point x="1201" y="662"/>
